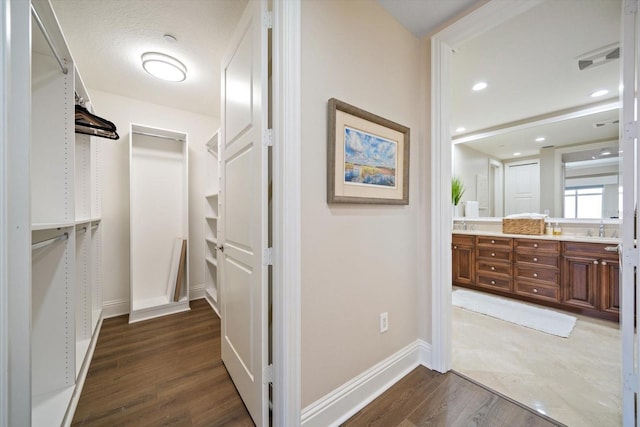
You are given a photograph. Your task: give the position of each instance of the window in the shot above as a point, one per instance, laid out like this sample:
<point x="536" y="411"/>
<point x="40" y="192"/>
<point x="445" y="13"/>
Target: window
<point x="583" y="202"/>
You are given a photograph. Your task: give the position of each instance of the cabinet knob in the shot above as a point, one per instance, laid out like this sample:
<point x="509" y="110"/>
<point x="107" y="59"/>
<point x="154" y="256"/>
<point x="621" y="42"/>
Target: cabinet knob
<point x="493" y="268"/>
<point x="493" y="254"/>
<point x="535" y="291"/>
<point x="535" y="274"/>
<point x="535" y="245"/>
<point x="595" y="262"/>
<point x="535" y="260"/>
<point x="603" y="263"/>
<point x="493" y="282"/>
<point x="455" y="247"/>
<point x="493" y="241"/>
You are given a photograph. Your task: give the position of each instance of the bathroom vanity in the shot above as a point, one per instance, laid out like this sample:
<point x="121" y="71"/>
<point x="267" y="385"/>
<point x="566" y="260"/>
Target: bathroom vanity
<point x="574" y="273"/>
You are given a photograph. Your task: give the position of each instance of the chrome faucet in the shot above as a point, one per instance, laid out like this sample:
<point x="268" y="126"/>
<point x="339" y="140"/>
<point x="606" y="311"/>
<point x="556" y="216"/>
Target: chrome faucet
<point x="601" y="230"/>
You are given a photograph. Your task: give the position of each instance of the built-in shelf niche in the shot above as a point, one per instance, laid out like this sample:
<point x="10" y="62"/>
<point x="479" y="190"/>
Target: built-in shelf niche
<point x="158" y="216"/>
<point x="211" y="213"/>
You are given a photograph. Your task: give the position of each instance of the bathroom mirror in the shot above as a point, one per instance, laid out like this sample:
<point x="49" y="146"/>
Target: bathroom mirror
<point x="542" y="135"/>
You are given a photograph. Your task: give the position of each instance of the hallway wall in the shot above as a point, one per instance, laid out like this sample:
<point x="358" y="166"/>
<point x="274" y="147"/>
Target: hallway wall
<point x="357" y="260"/>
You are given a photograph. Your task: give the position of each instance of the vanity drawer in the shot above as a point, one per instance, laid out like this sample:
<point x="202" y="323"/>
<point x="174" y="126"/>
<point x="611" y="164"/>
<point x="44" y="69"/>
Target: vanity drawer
<point x="493" y="282"/>
<point x="539" y="291"/>
<point x="494" y="267"/>
<point x="550" y="275"/>
<point x="495" y="242"/>
<point x="536" y="245"/>
<point x="546" y="260"/>
<point x="462" y="240"/>
<point x="494" y="254"/>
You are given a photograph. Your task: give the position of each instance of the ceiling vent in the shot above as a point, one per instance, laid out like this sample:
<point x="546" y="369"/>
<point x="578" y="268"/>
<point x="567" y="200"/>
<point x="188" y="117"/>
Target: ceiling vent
<point x="604" y="123"/>
<point x="599" y="56"/>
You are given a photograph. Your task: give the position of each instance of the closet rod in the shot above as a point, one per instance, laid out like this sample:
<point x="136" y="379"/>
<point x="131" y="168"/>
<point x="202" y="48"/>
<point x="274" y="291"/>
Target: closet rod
<point x="48" y="242"/>
<point x="157" y="136"/>
<point x="94" y="226"/>
<point x="82" y="230"/>
<point x="64" y="68"/>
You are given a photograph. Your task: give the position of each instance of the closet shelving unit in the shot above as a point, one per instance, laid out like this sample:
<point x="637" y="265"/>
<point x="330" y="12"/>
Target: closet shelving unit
<point x="212" y="214"/>
<point x="158" y="171"/>
<point x="65" y="304"/>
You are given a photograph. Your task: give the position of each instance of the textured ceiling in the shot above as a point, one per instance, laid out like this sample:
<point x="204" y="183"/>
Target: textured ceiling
<point x="107" y="38"/>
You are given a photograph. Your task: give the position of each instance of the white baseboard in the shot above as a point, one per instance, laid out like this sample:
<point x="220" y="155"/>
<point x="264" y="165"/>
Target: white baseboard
<point x="115" y="308"/>
<point x="196" y="292"/>
<point x="119" y="307"/>
<point x="342" y="403"/>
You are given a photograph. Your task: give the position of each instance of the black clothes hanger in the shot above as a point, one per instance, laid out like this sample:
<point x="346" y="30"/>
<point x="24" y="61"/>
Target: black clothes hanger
<point x="90" y="124"/>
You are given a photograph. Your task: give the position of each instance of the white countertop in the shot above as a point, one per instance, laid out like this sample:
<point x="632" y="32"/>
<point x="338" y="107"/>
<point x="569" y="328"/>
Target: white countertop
<point x="562" y="237"/>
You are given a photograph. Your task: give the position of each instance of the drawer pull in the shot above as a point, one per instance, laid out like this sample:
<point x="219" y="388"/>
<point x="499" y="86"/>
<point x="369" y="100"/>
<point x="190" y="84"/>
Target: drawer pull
<point x="604" y="263"/>
<point x="535" y="291"/>
<point x="493" y="268"/>
<point x="493" y="254"/>
<point x="535" y="245"/>
<point x="493" y="241"/>
<point x="493" y="282"/>
<point x="535" y="274"/>
<point x="595" y="262"/>
<point x="611" y="248"/>
<point x="535" y="260"/>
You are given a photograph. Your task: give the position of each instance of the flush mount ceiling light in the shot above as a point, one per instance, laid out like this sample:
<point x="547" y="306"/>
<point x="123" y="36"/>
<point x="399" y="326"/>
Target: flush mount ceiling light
<point x="479" y="86"/>
<point x="517" y="153"/>
<point x="461" y="129"/>
<point x="164" y="67"/>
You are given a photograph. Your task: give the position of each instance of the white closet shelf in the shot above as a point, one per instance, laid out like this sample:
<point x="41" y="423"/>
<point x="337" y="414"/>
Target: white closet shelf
<point x="212" y="194"/>
<point x="49" y="409"/>
<point x="211" y="217"/>
<point x="211" y="240"/>
<point x="83" y="221"/>
<point x="96" y="219"/>
<point x="212" y="261"/>
<point x="51" y="225"/>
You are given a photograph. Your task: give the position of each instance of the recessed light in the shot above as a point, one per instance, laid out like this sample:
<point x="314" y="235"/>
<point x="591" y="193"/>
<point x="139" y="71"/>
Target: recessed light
<point x="479" y="86"/>
<point x="517" y="153"/>
<point x="599" y="93"/>
<point x="605" y="152"/>
<point x="540" y="139"/>
<point x="461" y="129"/>
<point x="164" y="67"/>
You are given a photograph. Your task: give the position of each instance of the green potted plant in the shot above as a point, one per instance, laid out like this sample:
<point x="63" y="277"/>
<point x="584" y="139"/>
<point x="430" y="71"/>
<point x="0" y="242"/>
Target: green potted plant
<point x="457" y="190"/>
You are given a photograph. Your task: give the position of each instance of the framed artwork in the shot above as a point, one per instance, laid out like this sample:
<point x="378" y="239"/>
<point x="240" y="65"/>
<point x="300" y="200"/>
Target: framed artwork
<point x="367" y="157"/>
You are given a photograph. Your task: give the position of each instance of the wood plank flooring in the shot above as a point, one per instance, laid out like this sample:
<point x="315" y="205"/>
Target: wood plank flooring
<point x="165" y="371"/>
<point x="428" y="398"/>
<point x="168" y="371"/>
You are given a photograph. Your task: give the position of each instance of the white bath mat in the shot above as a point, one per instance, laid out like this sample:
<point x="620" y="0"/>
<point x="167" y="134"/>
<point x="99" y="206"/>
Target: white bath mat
<point x="540" y="319"/>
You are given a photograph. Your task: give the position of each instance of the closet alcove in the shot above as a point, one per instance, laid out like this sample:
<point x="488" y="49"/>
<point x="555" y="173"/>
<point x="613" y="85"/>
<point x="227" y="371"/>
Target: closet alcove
<point x="159" y="222"/>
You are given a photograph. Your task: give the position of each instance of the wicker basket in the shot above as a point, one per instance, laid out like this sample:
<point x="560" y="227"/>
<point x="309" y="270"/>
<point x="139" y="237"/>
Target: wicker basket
<point x="523" y="226"/>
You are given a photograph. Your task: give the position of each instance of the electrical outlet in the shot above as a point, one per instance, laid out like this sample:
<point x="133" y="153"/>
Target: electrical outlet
<point x="384" y="322"/>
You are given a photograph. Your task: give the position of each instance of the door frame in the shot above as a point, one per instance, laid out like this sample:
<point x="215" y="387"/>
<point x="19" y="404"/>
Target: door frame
<point x="287" y="175"/>
<point x="476" y="22"/>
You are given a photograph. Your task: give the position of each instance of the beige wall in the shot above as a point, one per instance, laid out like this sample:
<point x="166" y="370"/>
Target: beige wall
<point x="357" y="261"/>
<point x="115" y="186"/>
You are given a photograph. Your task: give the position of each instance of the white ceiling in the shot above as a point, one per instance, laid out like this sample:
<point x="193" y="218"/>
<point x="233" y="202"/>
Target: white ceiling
<point x="107" y="38"/>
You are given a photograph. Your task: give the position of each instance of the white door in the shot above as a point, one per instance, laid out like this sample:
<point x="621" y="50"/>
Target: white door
<point x="244" y="210"/>
<point x="629" y="300"/>
<point x="522" y="187"/>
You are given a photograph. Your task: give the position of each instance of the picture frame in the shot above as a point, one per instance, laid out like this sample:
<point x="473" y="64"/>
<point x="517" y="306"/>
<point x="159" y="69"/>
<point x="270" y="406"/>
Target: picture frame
<point x="367" y="157"/>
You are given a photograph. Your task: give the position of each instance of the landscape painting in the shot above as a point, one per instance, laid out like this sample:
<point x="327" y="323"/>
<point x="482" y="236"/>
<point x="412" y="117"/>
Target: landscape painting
<point x="369" y="159"/>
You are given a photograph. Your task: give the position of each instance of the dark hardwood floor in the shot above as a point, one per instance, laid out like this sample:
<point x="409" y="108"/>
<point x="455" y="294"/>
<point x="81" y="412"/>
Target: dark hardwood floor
<point x="428" y="398"/>
<point x="167" y="371"/>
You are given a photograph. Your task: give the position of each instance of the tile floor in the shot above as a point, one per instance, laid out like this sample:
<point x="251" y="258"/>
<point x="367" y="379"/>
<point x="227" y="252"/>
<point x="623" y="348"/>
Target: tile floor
<point x="575" y="380"/>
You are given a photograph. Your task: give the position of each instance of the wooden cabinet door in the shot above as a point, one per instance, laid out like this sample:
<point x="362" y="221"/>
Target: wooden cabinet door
<point x="462" y="263"/>
<point x="580" y="278"/>
<point x="610" y="286"/>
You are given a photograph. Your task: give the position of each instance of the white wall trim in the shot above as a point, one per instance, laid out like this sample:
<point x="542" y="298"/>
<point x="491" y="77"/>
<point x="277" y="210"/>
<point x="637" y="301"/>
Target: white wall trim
<point x="4" y="185"/>
<point x="287" y="176"/>
<point x="478" y="21"/>
<point x="343" y="402"/>
<point x="196" y="292"/>
<point x="115" y="308"/>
